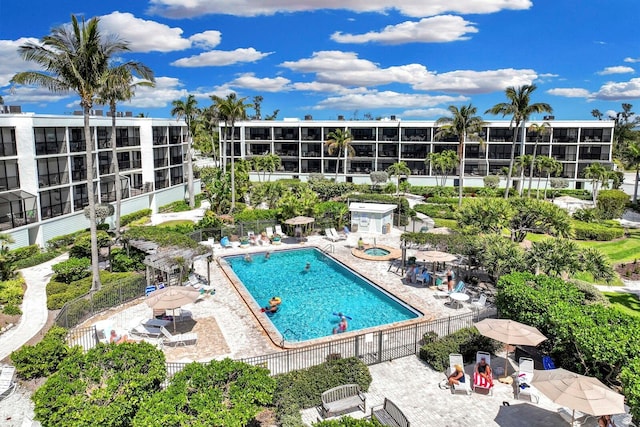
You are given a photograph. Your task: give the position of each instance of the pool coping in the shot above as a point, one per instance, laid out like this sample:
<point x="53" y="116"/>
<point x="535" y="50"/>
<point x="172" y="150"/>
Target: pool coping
<point x="274" y="335"/>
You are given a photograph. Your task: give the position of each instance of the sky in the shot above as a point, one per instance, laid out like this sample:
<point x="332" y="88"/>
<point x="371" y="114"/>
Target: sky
<point x="355" y="58"/>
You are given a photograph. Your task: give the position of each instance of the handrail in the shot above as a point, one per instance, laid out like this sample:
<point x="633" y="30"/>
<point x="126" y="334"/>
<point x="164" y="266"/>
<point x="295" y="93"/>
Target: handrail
<point x="330" y="248"/>
<point x="292" y="333"/>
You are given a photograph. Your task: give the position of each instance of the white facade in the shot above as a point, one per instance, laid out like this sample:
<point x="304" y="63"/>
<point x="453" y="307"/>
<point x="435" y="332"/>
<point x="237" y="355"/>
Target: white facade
<point x="43" y="186"/>
<point x="376" y="218"/>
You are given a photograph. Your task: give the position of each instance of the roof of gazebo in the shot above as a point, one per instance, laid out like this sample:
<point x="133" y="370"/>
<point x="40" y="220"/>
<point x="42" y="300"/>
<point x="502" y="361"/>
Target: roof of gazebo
<point x="165" y="258"/>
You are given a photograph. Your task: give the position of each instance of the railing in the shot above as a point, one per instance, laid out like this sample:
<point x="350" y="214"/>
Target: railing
<point x="330" y="248"/>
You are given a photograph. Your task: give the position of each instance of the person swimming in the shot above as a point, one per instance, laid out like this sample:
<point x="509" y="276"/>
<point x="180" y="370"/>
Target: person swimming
<point x="274" y="305"/>
<point x="342" y="326"/>
<point x="267" y="255"/>
<point x="247" y="258"/>
<point x="307" y="267"/>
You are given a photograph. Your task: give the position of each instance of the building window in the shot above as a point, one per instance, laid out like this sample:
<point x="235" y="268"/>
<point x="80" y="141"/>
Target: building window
<point x="49" y="141"/>
<point x="7" y="142"/>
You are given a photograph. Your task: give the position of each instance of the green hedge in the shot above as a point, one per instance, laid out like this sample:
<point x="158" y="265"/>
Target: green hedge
<point x="134" y="216"/>
<point x="64" y="241"/>
<point x="612" y="203"/>
<point x="42" y="359"/>
<point x="23" y="253"/>
<point x="437" y="210"/>
<point x="303" y="388"/>
<point x="467" y="342"/>
<point x="249" y="215"/>
<point x="37" y="259"/>
<point x="595" y="231"/>
<point x="11" y="294"/>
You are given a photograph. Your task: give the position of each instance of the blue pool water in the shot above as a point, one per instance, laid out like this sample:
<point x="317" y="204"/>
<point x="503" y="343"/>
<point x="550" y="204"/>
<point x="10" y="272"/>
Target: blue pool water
<point x="310" y="298"/>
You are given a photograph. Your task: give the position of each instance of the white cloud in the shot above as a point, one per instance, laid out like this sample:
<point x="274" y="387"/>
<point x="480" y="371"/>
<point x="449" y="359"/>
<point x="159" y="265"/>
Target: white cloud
<point x="426" y="113"/>
<point x="12" y="62"/>
<point x="619" y="69"/>
<point x="206" y="39"/>
<point x="143" y="35"/>
<point x="166" y="90"/>
<point x="250" y="81"/>
<point x="216" y="58"/>
<point x="437" y="29"/>
<point x="632" y="60"/>
<point x="618" y="91"/>
<point x="37" y="94"/>
<point x="386" y="99"/>
<point x="569" y="92"/>
<point x="413" y="8"/>
<point x="346" y="69"/>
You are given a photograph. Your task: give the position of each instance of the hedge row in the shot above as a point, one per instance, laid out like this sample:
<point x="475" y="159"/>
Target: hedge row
<point x="467" y="342"/>
<point x="595" y="231"/>
<point x="437" y="210"/>
<point x="37" y="259"/>
<point x="134" y="216"/>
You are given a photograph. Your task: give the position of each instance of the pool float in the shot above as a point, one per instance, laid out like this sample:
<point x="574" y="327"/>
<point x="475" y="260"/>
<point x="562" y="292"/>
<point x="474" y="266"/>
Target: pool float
<point x="341" y="314"/>
<point x="275" y="301"/>
<point x="274" y="304"/>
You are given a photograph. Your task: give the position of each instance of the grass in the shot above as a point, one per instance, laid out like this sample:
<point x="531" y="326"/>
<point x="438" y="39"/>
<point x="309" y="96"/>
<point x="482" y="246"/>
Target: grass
<point x="626" y="302"/>
<point x="449" y="223"/>
<point x="621" y="250"/>
<point x="588" y="277"/>
<point x="175" y="222"/>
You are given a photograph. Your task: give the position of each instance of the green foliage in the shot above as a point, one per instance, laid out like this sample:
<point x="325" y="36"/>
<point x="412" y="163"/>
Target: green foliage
<point x="220" y="393"/>
<point x="134" y="216"/>
<point x="11" y="309"/>
<point x="42" y="359"/>
<point x="23" y="253"/>
<point x="348" y="422"/>
<point x="466" y="341"/>
<point x="12" y="291"/>
<point x="209" y="220"/>
<point x="630" y="377"/>
<point x="249" y="215"/>
<point x="587" y="215"/>
<point x="177" y="206"/>
<point x="491" y="181"/>
<point x="105" y="386"/>
<point x="82" y="244"/>
<point x="591" y="294"/>
<point x="537" y="216"/>
<point x="498" y="255"/>
<point x="486" y="215"/>
<point x="599" y="232"/>
<point x="121" y="262"/>
<point x="163" y="237"/>
<point x="64" y="241"/>
<point x="103" y="211"/>
<point x="438" y="210"/>
<point x="328" y="189"/>
<point x="36" y="259"/>
<point x="612" y="203"/>
<point x="72" y="269"/>
<point x="303" y="388"/>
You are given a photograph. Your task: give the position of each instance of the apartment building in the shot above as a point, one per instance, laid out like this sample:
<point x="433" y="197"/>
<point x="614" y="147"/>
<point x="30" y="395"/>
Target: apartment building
<point x="379" y="144"/>
<point x="43" y="174"/>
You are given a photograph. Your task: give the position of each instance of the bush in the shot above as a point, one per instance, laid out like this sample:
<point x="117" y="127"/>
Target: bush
<point x="37" y="259"/>
<point x="249" y="215"/>
<point x="121" y="262"/>
<point x="134" y="216"/>
<point x="12" y="310"/>
<point x="177" y="206"/>
<point x="72" y="269"/>
<point x="491" y="181"/>
<point x="591" y="294"/>
<point x="587" y="215"/>
<point x="82" y="244"/>
<point x="64" y="241"/>
<point x="440" y="210"/>
<point x="612" y="203"/>
<point x="303" y="388"/>
<point x="12" y="291"/>
<point x="467" y="342"/>
<point x="23" y="253"/>
<point x="630" y="377"/>
<point x="593" y="231"/>
<point x="42" y="359"/>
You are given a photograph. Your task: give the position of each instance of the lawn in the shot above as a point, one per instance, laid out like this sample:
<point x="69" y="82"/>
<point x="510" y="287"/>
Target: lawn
<point x="627" y="302"/>
<point x="622" y="250"/>
<point x="175" y="222"/>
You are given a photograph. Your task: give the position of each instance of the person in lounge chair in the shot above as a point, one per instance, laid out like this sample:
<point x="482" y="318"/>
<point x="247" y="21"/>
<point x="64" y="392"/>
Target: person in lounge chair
<point x="484" y="370"/>
<point x="117" y="338"/>
<point x="606" y="421"/>
<point x="456" y="376"/>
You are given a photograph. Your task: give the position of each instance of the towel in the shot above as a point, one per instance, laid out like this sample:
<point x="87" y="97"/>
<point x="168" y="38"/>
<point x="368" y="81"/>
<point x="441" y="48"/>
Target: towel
<point x="480" y="381"/>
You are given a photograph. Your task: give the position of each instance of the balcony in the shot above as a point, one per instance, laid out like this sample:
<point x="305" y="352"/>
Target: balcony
<point x="52" y="179"/>
<point x="17" y="208"/>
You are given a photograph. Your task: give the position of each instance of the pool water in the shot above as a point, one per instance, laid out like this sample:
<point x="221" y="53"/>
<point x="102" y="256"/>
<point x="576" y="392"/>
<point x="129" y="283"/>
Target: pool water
<point x="311" y="299"/>
<point x="376" y="252"/>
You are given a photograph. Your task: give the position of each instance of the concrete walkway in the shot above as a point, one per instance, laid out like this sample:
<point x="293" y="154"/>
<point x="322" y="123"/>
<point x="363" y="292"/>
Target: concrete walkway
<point x="34" y="307"/>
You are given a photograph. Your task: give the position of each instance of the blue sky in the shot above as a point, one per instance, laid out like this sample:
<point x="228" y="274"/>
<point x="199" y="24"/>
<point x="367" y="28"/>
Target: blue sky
<point x="409" y="58"/>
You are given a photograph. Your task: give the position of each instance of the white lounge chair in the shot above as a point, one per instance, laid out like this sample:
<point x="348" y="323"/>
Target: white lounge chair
<point x="524" y="378"/>
<point x="179" y="339"/>
<point x="329" y="235"/>
<point x="253" y="239"/>
<point x="456" y="359"/>
<point x="337" y="235"/>
<point x="278" y="230"/>
<point x="7" y="385"/>
<point x="478" y="381"/>
<point x="269" y="231"/>
<point x="146" y="331"/>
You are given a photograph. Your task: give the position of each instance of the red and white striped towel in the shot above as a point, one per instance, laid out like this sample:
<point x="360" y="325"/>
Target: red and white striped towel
<point x="480" y="381"/>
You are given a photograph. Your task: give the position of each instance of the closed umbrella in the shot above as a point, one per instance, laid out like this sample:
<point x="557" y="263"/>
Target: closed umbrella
<point x="578" y="392"/>
<point x="171" y="298"/>
<point x="510" y="332"/>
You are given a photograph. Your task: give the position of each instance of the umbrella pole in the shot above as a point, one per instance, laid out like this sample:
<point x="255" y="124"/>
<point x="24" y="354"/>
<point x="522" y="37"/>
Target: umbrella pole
<point x="174" y="320"/>
<point x="573" y="417"/>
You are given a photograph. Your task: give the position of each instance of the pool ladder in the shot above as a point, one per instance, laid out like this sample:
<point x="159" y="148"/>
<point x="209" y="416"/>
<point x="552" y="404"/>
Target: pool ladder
<point x="292" y="333"/>
<point x="330" y="248"/>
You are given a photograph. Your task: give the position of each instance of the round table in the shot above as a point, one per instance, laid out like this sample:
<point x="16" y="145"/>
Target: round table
<point x="459" y="298"/>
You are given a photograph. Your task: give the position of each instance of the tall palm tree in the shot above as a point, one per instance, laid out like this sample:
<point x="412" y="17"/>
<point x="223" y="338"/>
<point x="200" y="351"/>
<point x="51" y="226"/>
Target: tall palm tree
<point x="598" y="174"/>
<point x="232" y="109"/>
<point x="522" y="163"/>
<point x="118" y="86"/>
<point x="75" y="58"/>
<point x="339" y="141"/>
<point x="520" y="109"/>
<point x="540" y="131"/>
<point x="552" y="167"/>
<point x="443" y="162"/>
<point x="632" y="158"/>
<point x="189" y="110"/>
<point x="398" y="170"/>
<point x="462" y="124"/>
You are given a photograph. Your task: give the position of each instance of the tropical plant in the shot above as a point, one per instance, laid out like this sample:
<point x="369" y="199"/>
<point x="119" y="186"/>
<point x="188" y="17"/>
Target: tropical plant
<point x="443" y="162"/>
<point x="499" y="255"/>
<point x="463" y="124"/>
<point x="6" y="265"/>
<point x="631" y="155"/>
<point x="598" y="175"/>
<point x="75" y="58"/>
<point x="520" y="109"/>
<point x="188" y="109"/>
<point x="231" y="109"/>
<point x="378" y="177"/>
<point x="398" y="170"/>
<point x="625" y="123"/>
<point x="485" y="215"/>
<point x="549" y="165"/>
<point x="339" y="141"/>
<point x="537" y="216"/>
<point x="522" y="163"/>
<point x="540" y="131"/>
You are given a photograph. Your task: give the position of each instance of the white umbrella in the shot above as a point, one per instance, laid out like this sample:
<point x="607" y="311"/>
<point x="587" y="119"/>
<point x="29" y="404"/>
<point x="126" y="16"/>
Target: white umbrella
<point x="171" y="298"/>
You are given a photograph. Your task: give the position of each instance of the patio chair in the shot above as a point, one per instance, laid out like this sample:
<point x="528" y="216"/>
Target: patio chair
<point x="424" y="278"/>
<point x="225" y="242"/>
<point x="278" y="229"/>
<point x="479" y="382"/>
<point x="7" y="385"/>
<point x="178" y="339"/>
<point x="456" y="359"/>
<point x="146" y="331"/>
<point x="524" y="378"/>
<point x="329" y="235"/>
<point x="337" y="235"/>
<point x="547" y="363"/>
<point x="269" y="231"/>
<point x="479" y="303"/>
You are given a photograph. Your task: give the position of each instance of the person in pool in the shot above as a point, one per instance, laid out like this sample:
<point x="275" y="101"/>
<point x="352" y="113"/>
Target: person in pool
<point x="274" y="305"/>
<point x="307" y="267"/>
<point x="342" y="326"/>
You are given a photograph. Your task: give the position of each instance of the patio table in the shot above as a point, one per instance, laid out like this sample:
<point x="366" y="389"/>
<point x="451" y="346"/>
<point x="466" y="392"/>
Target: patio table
<point x="459" y="298"/>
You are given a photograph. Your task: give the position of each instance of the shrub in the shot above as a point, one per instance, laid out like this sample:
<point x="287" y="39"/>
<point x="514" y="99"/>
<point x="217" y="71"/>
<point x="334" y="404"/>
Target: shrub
<point x="249" y="215"/>
<point x="37" y="259"/>
<point x="630" y="377"/>
<point x="121" y="262"/>
<point x="23" y="253"/>
<point x="591" y="294"/>
<point x="612" y="203"/>
<point x="587" y="215"/>
<point x="82" y="244"/>
<point x="593" y="231"/>
<point x="491" y="181"/>
<point x="177" y="206"/>
<point x="129" y="218"/>
<point x="12" y="310"/>
<point x="42" y="359"/>
<point x="64" y="241"/>
<point x="12" y="291"/>
<point x="466" y="341"/>
<point x="72" y="269"/>
<point x="303" y="388"/>
<point x="440" y="210"/>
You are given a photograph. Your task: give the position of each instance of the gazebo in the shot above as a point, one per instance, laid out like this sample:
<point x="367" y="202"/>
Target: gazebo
<point x="371" y="217"/>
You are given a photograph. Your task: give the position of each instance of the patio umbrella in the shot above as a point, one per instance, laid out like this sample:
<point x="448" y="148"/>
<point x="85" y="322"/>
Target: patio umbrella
<point x="435" y="256"/>
<point x="299" y="220"/>
<point x="578" y="392"/>
<point x="171" y="298"/>
<point x="510" y="332"/>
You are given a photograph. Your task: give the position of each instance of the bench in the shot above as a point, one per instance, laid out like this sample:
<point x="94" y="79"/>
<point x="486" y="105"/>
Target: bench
<point x="342" y="399"/>
<point x="389" y="415"/>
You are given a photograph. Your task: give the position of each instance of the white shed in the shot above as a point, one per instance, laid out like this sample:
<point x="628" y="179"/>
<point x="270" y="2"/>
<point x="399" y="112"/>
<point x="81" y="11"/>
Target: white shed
<point x="371" y="217"/>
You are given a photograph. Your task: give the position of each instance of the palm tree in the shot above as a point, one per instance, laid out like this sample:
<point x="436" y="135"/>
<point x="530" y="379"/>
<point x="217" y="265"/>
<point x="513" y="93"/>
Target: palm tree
<point x="443" y="162"/>
<point x="271" y="163"/>
<point x="118" y="86"/>
<point x="632" y="157"/>
<point x="462" y="124"/>
<point x="232" y="109"/>
<point x="597" y="174"/>
<point x="520" y="110"/>
<point x="552" y="167"/>
<point x="524" y="162"/>
<point x="340" y="141"/>
<point x="398" y="169"/>
<point x="189" y="110"/>
<point x="540" y="132"/>
<point x="7" y="268"/>
<point x="75" y="58"/>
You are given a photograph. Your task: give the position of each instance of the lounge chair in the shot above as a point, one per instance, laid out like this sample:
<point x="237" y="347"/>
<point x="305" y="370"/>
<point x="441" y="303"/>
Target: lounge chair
<point x="179" y="339"/>
<point x="479" y="303"/>
<point x="456" y="359"/>
<point x="269" y="231"/>
<point x="253" y="239"/>
<point x="424" y="278"/>
<point x="479" y="382"/>
<point x="7" y="385"/>
<point x="337" y="235"/>
<point x="460" y="287"/>
<point x="146" y="331"/>
<point x="524" y="378"/>
<point x="329" y="235"/>
<point x="278" y="230"/>
<point x="225" y="242"/>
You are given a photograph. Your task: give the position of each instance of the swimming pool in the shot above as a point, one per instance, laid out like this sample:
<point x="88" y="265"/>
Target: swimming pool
<point x="312" y="299"/>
